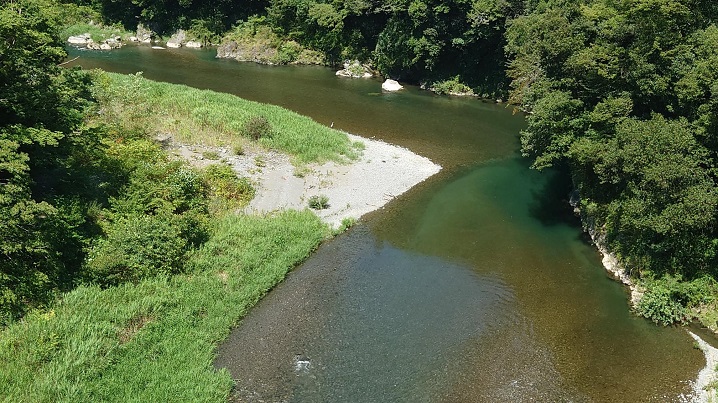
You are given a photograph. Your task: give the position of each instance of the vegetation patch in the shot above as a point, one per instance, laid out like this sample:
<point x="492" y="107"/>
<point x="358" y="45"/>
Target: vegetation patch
<point x="214" y="119"/>
<point x="319" y="202"/>
<point x="452" y="87"/>
<point x="157" y="337"/>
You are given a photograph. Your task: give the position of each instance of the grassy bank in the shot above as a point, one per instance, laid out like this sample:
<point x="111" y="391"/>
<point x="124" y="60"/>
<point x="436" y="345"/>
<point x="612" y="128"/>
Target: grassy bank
<point x="166" y="266"/>
<point x="155" y="340"/>
<point x="207" y="117"/>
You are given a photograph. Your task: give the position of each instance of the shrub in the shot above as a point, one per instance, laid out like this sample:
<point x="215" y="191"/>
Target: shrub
<point x="452" y="86"/>
<point x="138" y="247"/>
<point x="257" y="127"/>
<point x="210" y="155"/>
<point x="224" y="183"/>
<point x="319" y="202"/>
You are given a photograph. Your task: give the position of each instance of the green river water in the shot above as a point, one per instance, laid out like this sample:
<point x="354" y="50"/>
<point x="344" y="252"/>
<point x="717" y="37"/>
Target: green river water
<point x="476" y="285"/>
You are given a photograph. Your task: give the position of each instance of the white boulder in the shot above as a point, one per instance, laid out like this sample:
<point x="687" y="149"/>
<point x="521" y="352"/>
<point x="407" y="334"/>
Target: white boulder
<point x="174" y="45"/>
<point x="391" y="85"/>
<point x="79" y="39"/>
<point x="105" y="46"/>
<point x="193" y="44"/>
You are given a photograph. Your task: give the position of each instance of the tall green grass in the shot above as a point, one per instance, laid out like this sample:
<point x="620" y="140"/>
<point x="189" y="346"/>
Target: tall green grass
<point x="215" y="119"/>
<point x="155" y="340"/>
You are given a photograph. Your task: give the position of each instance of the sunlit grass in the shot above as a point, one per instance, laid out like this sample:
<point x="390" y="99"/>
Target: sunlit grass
<point x="215" y="119"/>
<point x="156" y="340"/>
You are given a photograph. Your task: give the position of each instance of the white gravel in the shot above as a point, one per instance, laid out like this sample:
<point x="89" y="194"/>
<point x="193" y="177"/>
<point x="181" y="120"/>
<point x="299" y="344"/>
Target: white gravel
<point x="383" y="172"/>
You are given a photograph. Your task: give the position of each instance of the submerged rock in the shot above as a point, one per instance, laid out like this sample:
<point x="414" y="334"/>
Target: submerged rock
<point x="391" y="85"/>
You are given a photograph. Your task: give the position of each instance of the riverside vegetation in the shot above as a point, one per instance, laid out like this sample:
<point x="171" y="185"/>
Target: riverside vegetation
<point x="621" y="95"/>
<point x="122" y="268"/>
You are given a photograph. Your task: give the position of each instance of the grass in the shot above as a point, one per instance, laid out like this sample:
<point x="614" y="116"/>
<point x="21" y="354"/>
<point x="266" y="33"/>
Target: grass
<point x="155" y="340"/>
<point x="215" y="119"/>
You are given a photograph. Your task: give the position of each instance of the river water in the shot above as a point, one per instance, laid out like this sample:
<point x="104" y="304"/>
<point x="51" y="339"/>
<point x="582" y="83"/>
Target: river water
<point x="476" y="285"/>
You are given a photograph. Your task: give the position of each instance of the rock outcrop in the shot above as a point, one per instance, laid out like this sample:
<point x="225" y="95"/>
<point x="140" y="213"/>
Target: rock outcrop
<point x="391" y="85"/>
<point x="355" y="69"/>
<point x="177" y="39"/>
<point x="144" y="34"/>
<point x="79" y="39"/>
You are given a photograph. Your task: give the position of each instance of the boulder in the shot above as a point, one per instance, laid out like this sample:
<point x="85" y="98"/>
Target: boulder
<point x="177" y="39"/>
<point x="144" y="34"/>
<point x="157" y="47"/>
<point x="391" y="85"/>
<point x="355" y="69"/>
<point x="79" y="39"/>
<point x="193" y="44"/>
<point x="134" y="39"/>
<point x="105" y="46"/>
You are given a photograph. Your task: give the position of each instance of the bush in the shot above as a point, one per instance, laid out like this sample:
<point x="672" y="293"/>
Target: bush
<point x="453" y="86"/>
<point x="138" y="247"/>
<point x="319" y="202"/>
<point x="224" y="183"/>
<point x="671" y="299"/>
<point x="256" y="128"/>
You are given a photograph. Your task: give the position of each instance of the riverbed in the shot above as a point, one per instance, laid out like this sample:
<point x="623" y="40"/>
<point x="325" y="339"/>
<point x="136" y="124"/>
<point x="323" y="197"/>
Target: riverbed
<point x="476" y="285"/>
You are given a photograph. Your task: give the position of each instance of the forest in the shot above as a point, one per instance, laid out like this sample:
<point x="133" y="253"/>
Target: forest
<point x="622" y="95"/>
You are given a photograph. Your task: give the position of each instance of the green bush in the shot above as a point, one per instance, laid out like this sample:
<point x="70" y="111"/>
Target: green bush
<point x="671" y="299"/>
<point x="319" y="202"/>
<point x="452" y="86"/>
<point x="257" y="127"/>
<point x="138" y="247"/>
<point x="224" y="183"/>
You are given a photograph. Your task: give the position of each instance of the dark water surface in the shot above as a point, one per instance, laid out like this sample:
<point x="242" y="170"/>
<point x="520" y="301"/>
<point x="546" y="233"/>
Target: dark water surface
<point x="476" y="285"/>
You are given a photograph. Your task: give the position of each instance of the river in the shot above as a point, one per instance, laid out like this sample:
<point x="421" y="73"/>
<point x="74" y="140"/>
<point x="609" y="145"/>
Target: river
<point x="477" y="285"/>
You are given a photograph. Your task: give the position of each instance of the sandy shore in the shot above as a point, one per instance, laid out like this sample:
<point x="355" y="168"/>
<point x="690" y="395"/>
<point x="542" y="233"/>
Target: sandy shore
<point x="383" y="172"/>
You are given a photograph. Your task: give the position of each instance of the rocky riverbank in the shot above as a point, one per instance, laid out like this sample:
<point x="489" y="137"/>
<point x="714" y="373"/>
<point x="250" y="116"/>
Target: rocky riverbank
<point x="703" y="388"/>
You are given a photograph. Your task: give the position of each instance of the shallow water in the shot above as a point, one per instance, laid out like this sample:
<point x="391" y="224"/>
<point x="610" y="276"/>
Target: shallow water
<point x="476" y="285"/>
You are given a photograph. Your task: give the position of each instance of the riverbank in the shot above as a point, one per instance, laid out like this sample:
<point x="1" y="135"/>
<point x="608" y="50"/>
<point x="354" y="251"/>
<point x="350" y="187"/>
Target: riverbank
<point x="704" y="386"/>
<point x="141" y="339"/>
<point x="381" y="173"/>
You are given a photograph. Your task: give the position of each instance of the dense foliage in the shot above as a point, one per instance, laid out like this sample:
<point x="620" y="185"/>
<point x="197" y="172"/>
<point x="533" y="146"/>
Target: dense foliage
<point x="427" y="41"/>
<point x="624" y="95"/>
<point x="43" y="148"/>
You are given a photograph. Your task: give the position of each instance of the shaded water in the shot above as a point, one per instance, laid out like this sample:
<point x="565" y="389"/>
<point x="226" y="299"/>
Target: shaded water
<point x="476" y="285"/>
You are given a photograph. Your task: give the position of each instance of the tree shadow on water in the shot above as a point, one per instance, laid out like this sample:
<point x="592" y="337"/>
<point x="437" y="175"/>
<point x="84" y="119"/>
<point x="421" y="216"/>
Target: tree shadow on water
<point x="550" y="203"/>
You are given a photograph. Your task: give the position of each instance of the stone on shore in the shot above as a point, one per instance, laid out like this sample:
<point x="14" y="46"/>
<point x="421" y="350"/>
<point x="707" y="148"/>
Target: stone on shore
<point x="193" y="44"/>
<point x="355" y="70"/>
<point x="391" y="85"/>
<point x="79" y="39"/>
